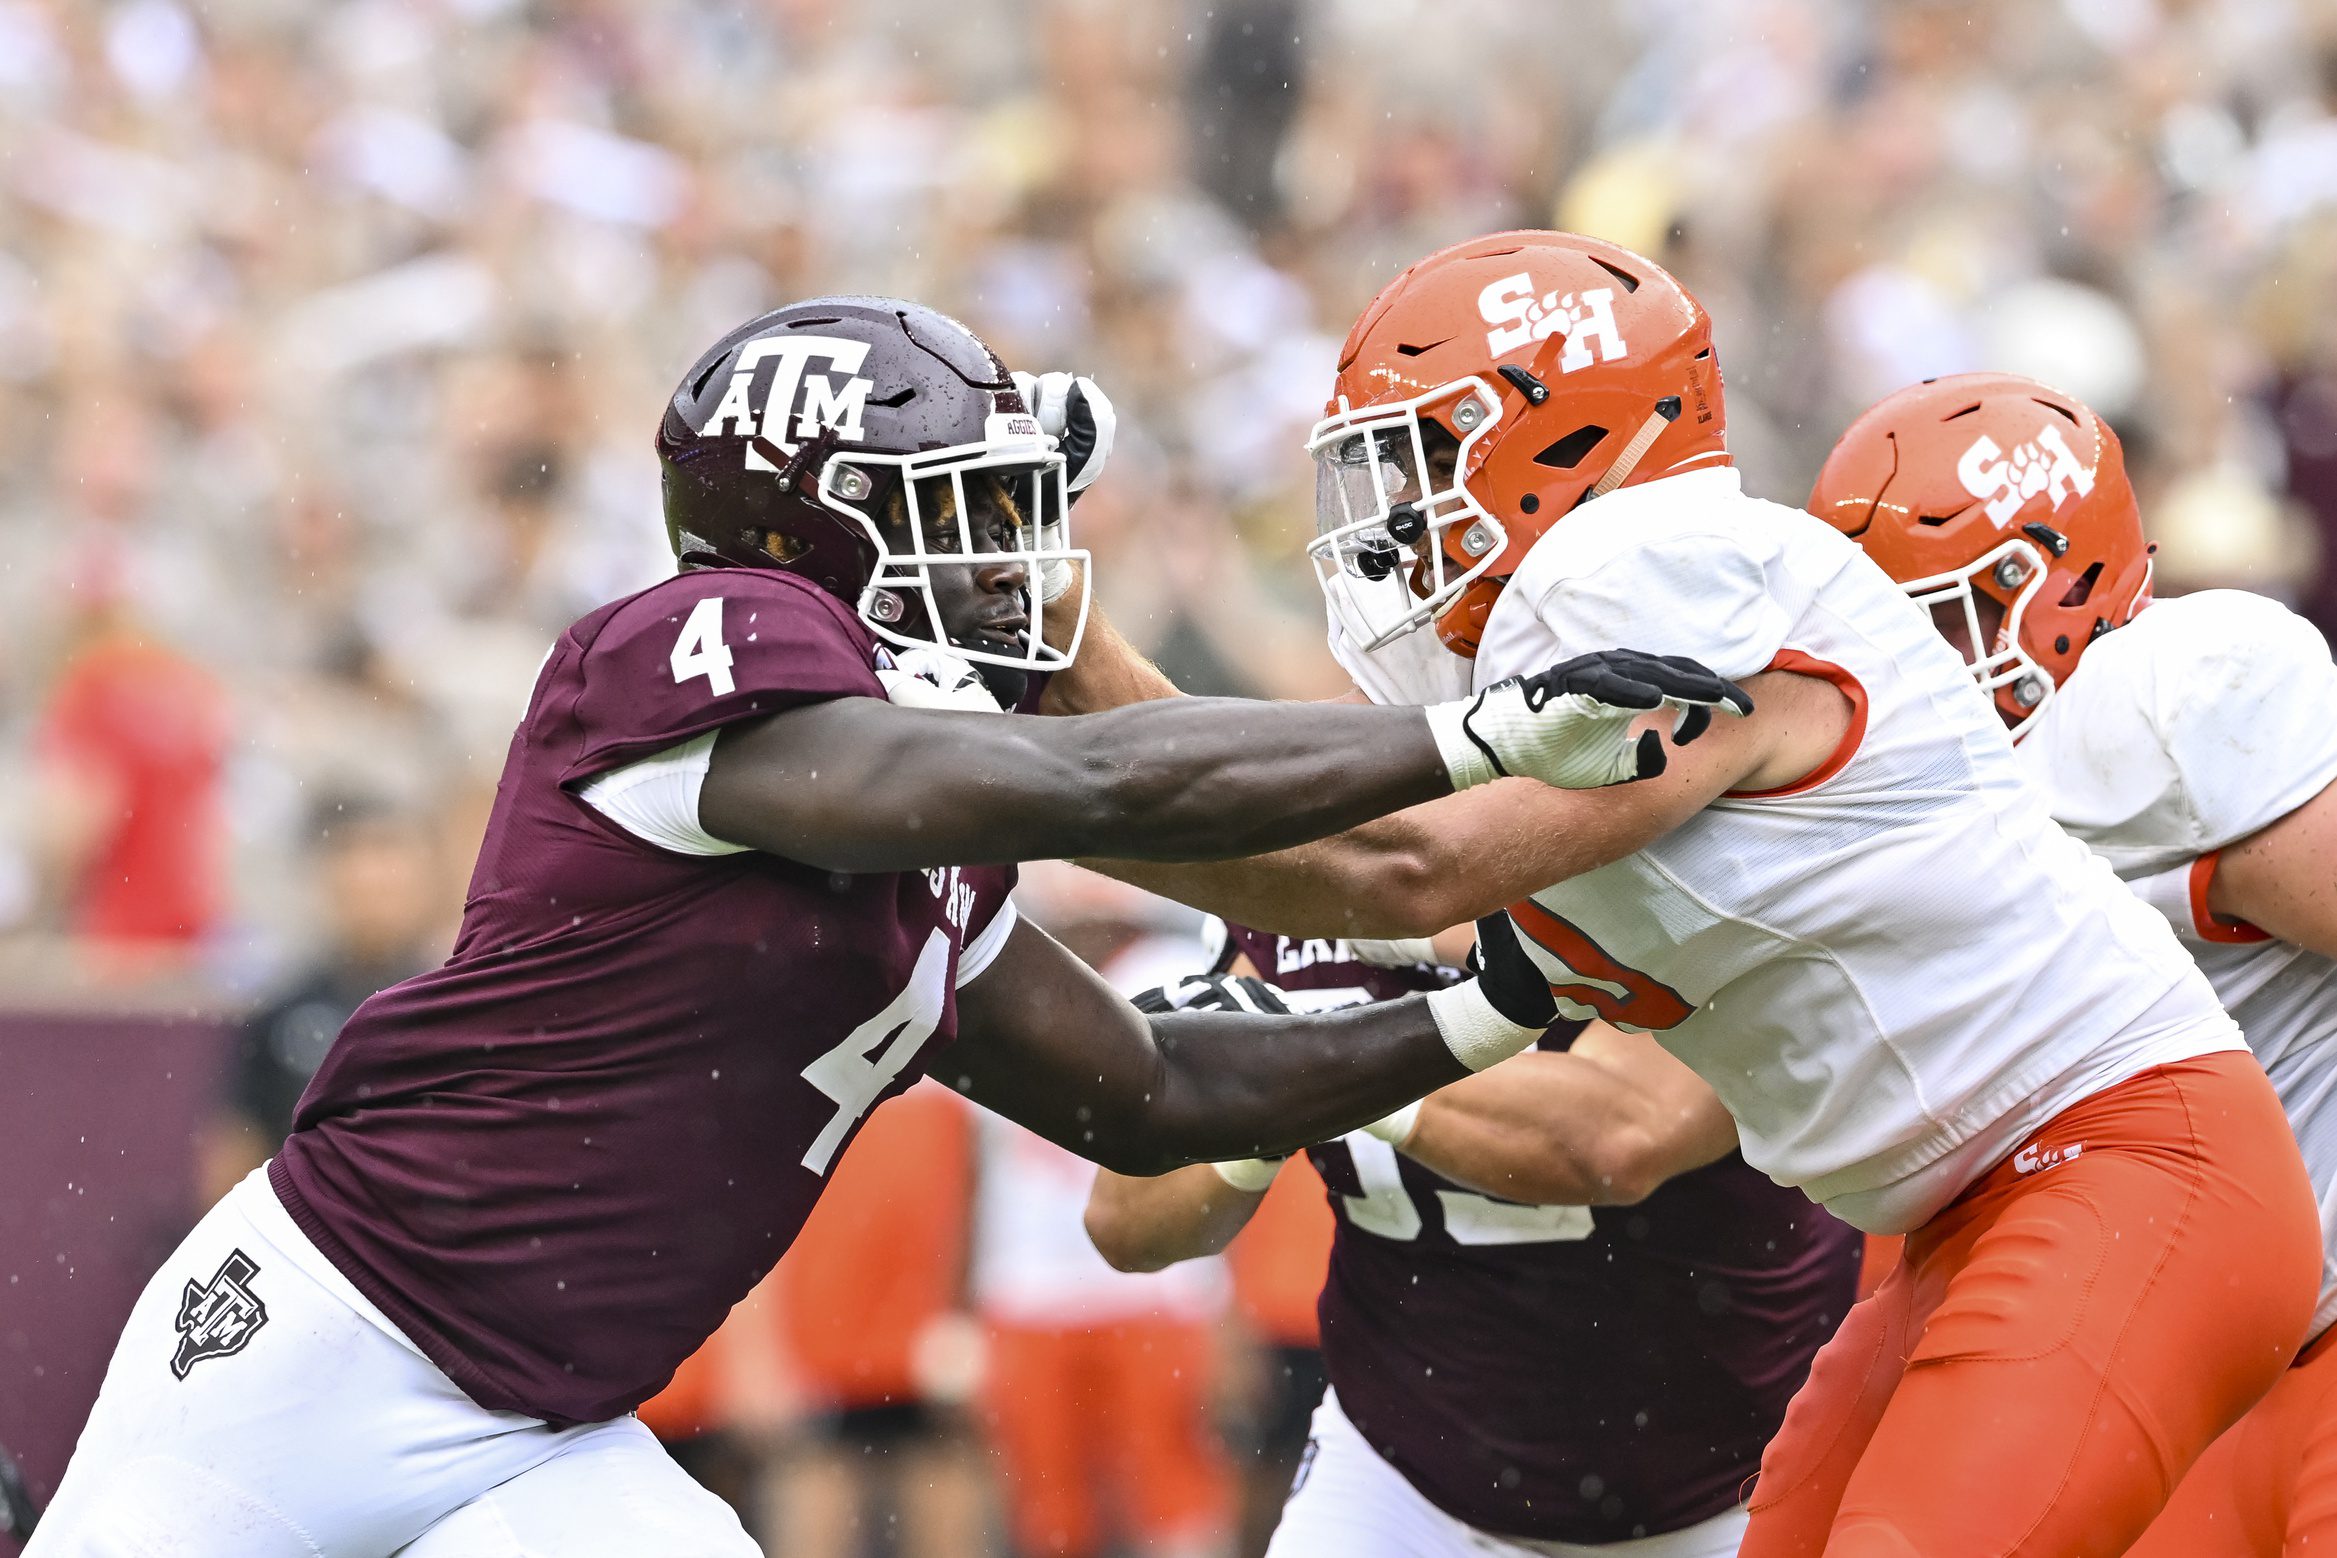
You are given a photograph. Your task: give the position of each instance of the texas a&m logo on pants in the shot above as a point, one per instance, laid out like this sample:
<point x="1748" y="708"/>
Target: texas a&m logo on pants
<point x="220" y="1317"/>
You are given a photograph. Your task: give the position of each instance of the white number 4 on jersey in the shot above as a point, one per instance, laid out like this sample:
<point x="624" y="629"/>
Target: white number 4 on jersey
<point x="700" y="650"/>
<point x="873" y="1054"/>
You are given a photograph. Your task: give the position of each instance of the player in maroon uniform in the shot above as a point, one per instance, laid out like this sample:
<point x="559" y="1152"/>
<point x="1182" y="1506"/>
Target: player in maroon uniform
<point x="736" y="889"/>
<point x="1593" y="1353"/>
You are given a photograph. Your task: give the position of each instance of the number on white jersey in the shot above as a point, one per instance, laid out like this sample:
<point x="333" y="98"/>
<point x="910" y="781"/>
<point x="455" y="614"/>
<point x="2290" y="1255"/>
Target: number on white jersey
<point x="1386" y="1208"/>
<point x="1589" y="983"/>
<point x="856" y="1071"/>
<point x="700" y="650"/>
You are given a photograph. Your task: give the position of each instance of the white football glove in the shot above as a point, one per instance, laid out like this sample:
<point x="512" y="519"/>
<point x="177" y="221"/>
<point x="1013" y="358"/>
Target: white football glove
<point x="1570" y="726"/>
<point x="1074" y="411"/>
<point x="935" y="679"/>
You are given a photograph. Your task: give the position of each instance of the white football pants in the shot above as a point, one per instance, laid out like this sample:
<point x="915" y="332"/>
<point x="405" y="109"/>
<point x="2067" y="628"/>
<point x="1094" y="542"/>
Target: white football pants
<point x="258" y="1406"/>
<point x="1350" y="1503"/>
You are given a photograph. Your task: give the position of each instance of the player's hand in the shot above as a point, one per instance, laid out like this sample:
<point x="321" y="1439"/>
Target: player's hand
<point x="935" y="679"/>
<point x="1073" y="410"/>
<point x="1570" y="726"/>
<point x="1513" y="985"/>
<point x="1212" y="993"/>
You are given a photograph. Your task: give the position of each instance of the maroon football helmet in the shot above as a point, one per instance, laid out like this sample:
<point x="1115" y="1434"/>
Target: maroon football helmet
<point x="834" y="438"/>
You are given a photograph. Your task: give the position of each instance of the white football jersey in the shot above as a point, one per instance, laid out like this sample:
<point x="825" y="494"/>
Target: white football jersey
<point x="2201" y="721"/>
<point x="1891" y="971"/>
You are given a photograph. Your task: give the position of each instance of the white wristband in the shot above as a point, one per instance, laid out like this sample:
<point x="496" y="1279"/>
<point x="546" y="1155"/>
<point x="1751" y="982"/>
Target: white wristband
<point x="1468" y="763"/>
<point x="1393" y="954"/>
<point x="1477" y="1035"/>
<point x="1396" y="1128"/>
<point x="1250" y="1174"/>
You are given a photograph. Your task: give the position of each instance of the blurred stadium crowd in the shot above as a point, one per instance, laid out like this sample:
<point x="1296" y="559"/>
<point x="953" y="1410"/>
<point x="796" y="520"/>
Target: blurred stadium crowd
<point x="332" y="339"/>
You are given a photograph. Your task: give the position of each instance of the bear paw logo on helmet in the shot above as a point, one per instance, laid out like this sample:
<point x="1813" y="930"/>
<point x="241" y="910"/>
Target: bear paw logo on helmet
<point x="1584" y="318"/>
<point x="2044" y="465"/>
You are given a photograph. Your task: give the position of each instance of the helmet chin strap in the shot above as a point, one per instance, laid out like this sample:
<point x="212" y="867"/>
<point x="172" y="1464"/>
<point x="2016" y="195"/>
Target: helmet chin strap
<point x="804" y="464"/>
<point x="1667" y="411"/>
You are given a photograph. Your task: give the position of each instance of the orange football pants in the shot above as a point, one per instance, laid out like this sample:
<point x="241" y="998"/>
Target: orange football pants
<point x="2060" y="1344"/>
<point x="1104" y="1421"/>
<point x="2267" y="1489"/>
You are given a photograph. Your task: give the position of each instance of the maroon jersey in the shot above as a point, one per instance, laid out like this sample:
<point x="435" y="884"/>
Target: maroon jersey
<point x="557" y="1161"/>
<point x="1569" y="1374"/>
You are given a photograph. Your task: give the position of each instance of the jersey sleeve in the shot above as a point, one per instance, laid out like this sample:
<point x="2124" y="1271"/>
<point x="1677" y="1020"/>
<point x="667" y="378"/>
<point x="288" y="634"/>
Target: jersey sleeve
<point x="992" y="921"/>
<point x="1704" y="596"/>
<point x="703" y="650"/>
<point x="2244" y="714"/>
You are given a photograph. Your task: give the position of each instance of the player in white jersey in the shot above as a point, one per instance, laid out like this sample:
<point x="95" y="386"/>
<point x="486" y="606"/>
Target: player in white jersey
<point x="2193" y="747"/>
<point x="1923" y="1002"/>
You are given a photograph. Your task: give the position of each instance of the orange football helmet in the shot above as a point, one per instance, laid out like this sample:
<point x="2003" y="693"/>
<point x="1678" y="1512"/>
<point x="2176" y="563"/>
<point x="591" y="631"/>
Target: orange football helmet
<point x="1992" y="485"/>
<point x="1485" y="393"/>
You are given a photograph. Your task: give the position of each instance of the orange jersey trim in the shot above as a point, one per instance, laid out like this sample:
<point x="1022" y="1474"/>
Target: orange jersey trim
<point x="2210" y="925"/>
<point x="1844" y="750"/>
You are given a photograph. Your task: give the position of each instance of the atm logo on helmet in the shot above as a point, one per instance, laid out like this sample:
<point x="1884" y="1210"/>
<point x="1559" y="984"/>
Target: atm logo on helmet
<point x="1520" y="319"/>
<point x="2045" y="464"/>
<point x="813" y="384"/>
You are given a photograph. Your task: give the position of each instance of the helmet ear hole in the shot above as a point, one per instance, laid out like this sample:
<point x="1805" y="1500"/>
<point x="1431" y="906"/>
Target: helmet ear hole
<point x="780" y="547"/>
<point x="1573" y="449"/>
<point x="2083" y="589"/>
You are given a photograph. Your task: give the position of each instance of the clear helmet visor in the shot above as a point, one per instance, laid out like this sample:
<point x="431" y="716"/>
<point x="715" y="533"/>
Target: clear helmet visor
<point x="1398" y="536"/>
<point x="953" y="518"/>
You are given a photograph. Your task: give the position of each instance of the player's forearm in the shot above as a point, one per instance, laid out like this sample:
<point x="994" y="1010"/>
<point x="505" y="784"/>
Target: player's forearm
<point x="1206" y="779"/>
<point x="1239" y="1086"/>
<point x="1148" y="1223"/>
<point x="857" y="785"/>
<point x="1379" y="879"/>
<point x="1520" y="1161"/>
<point x="1561" y="1130"/>
<point x="1411" y="873"/>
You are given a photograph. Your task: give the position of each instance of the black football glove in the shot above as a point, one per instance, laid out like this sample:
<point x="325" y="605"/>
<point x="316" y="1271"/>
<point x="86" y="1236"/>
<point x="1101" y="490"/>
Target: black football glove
<point x="1511" y="982"/>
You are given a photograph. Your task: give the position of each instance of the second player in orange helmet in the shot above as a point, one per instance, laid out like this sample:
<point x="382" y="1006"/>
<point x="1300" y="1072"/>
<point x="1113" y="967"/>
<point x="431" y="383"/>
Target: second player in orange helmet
<point x="2190" y="745"/>
<point x="2006" y="501"/>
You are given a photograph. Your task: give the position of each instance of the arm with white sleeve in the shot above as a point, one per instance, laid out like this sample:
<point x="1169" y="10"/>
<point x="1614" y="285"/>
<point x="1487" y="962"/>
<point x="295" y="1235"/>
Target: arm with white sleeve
<point x="2241" y="708"/>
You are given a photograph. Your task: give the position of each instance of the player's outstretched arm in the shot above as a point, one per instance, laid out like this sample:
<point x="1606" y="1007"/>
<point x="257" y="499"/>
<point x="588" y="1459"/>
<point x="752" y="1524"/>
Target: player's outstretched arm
<point x="1600" y="1124"/>
<point x="2283" y="879"/>
<point x="860" y="784"/>
<point x="1457" y="859"/>
<point x="1045" y="1042"/>
<point x="1146" y="1223"/>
